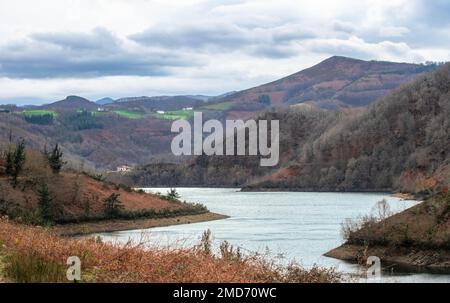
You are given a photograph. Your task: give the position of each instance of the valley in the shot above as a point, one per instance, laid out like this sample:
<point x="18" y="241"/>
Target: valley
<point x="395" y="138"/>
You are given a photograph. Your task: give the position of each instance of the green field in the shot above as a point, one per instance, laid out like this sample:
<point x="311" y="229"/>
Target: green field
<point x="175" y="115"/>
<point x="38" y="112"/>
<point x="130" y="114"/>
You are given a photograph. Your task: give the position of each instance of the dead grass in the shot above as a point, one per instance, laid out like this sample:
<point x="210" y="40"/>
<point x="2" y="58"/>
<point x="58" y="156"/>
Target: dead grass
<point x="78" y="197"/>
<point x="104" y="262"/>
<point x="26" y="267"/>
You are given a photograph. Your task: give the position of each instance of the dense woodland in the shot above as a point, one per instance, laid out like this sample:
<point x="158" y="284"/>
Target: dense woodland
<point x="400" y="142"/>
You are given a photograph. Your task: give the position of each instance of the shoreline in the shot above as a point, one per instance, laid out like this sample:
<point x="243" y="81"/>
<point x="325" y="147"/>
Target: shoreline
<point x="313" y="190"/>
<point x="409" y="259"/>
<point x="82" y="229"/>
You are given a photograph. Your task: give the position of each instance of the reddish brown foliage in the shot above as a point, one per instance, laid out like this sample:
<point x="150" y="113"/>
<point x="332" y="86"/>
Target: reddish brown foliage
<point x="103" y="262"/>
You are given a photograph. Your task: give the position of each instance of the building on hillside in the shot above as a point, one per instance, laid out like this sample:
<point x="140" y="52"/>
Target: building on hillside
<point x="161" y="112"/>
<point x="124" y="168"/>
<point x="188" y="108"/>
<point x="4" y="110"/>
<point x="101" y="109"/>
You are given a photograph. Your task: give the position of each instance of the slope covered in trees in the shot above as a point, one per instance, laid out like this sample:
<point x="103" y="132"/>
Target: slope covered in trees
<point x="400" y="142"/>
<point x="131" y="131"/>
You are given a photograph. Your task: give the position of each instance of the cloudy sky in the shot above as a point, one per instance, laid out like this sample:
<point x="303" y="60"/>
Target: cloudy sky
<point x="97" y="48"/>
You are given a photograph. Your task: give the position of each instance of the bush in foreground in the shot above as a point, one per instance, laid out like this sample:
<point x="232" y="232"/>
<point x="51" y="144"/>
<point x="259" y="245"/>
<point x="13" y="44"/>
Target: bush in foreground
<point x="29" y="250"/>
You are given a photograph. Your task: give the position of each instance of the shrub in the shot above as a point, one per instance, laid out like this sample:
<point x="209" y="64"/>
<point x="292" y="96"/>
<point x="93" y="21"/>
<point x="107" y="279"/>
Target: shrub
<point x="228" y="252"/>
<point x="45" y="204"/>
<point x="360" y="229"/>
<point x="105" y="262"/>
<point x="264" y="99"/>
<point x="205" y="246"/>
<point x="55" y="159"/>
<point x="172" y="195"/>
<point x="28" y="267"/>
<point x="112" y="206"/>
<point x="14" y="161"/>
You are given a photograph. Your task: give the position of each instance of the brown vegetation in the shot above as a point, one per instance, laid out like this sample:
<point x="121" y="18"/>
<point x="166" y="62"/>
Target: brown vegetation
<point x="104" y="139"/>
<point x="419" y="236"/>
<point x="27" y="248"/>
<point x="399" y="143"/>
<point x="340" y="81"/>
<point x="75" y="197"/>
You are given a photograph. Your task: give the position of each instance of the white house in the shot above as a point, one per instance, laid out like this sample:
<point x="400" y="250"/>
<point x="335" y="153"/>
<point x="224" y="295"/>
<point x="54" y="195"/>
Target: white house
<point x="123" y="168"/>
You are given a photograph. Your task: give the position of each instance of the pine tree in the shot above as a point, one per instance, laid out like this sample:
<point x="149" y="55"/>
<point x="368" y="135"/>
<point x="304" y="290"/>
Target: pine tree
<point x="9" y="157"/>
<point x="55" y="159"/>
<point x="112" y="205"/>
<point x="44" y="204"/>
<point x="173" y="195"/>
<point x="14" y="161"/>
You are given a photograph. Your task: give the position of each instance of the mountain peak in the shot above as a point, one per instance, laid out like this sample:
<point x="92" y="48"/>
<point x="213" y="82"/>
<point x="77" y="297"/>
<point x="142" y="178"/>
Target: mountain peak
<point x="341" y="58"/>
<point x="336" y="82"/>
<point x="71" y="103"/>
<point x="104" y="101"/>
<point x="74" y="98"/>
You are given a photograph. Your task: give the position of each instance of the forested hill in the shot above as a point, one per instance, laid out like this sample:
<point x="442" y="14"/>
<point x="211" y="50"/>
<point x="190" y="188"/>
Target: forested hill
<point x="337" y="82"/>
<point x="136" y="130"/>
<point x="401" y="142"/>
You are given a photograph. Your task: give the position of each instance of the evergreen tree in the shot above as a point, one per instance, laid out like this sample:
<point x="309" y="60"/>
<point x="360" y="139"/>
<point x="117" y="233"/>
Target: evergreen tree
<point x="14" y="161"/>
<point x="9" y="158"/>
<point x="44" y="204"/>
<point x="173" y="195"/>
<point x="264" y="99"/>
<point x="112" y="205"/>
<point x="55" y="159"/>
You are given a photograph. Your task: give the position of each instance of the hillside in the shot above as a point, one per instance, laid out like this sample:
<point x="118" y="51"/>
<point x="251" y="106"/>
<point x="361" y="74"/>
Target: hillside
<point x="41" y="195"/>
<point x="71" y="103"/>
<point x="337" y="82"/>
<point x="417" y="237"/>
<point x="400" y="142"/>
<point x="136" y="130"/>
<point x="99" y="139"/>
<point x="165" y="103"/>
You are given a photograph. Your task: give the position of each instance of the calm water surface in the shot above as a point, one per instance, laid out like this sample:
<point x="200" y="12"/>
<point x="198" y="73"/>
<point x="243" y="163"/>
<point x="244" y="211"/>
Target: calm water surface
<point x="290" y="225"/>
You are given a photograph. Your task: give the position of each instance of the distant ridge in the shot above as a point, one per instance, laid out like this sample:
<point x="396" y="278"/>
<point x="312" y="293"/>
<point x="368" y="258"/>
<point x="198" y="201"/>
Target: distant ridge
<point x="104" y="101"/>
<point x="337" y="82"/>
<point x="72" y="103"/>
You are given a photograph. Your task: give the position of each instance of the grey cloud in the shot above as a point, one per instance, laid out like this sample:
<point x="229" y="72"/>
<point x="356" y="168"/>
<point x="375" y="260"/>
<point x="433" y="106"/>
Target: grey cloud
<point x="275" y="42"/>
<point x="358" y="48"/>
<point x="194" y="36"/>
<point x="288" y="34"/>
<point x="51" y="55"/>
<point x="436" y="12"/>
<point x="274" y="52"/>
<point x="97" y="39"/>
<point x="345" y="27"/>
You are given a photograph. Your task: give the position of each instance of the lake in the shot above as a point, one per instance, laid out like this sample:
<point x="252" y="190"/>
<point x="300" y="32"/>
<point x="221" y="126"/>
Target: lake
<point x="289" y="225"/>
